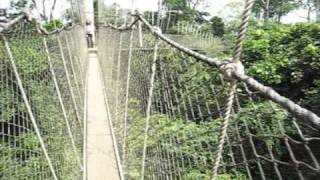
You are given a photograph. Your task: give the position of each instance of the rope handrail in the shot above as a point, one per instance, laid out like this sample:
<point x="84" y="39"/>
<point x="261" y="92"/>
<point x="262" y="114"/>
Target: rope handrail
<point x="41" y="126"/>
<point x="29" y="109"/>
<point x="124" y="28"/>
<point x="200" y="123"/>
<point x="8" y="25"/>
<point x="269" y="92"/>
<point x="234" y="73"/>
<point x="26" y="14"/>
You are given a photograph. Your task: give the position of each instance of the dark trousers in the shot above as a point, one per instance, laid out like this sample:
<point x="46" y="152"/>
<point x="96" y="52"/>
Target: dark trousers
<point x="89" y="40"/>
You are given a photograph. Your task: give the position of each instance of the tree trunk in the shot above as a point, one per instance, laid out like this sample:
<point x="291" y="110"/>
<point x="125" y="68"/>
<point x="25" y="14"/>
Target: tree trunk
<point x="267" y="11"/>
<point x="317" y="5"/>
<point x="52" y="9"/>
<point x="309" y="10"/>
<point x="279" y="18"/>
<point x="44" y="14"/>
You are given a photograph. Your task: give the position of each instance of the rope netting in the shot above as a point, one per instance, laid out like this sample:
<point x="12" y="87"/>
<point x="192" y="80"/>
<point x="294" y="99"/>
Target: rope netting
<point x="41" y="100"/>
<point x="169" y="106"/>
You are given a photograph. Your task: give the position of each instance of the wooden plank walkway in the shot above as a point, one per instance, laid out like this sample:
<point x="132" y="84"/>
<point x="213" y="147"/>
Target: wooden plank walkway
<point x="101" y="159"/>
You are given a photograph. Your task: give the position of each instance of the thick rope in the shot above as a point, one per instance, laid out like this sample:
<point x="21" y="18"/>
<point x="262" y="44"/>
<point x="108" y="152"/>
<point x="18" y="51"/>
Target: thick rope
<point x="29" y="109"/>
<point x="268" y="92"/>
<point x="26" y="14"/>
<point x="237" y="65"/>
<point x="243" y="29"/>
<point x="286" y="103"/>
<point x="124" y="27"/>
<point x="224" y="127"/>
<point x="140" y="34"/>
<point x="148" y="112"/>
<point x="6" y="26"/>
<point x="125" y="121"/>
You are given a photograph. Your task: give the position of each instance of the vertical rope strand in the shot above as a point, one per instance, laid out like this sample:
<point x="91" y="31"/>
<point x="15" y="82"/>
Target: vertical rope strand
<point x="75" y="106"/>
<point x="236" y="58"/>
<point x="148" y="112"/>
<point x="127" y="99"/>
<point x="224" y="129"/>
<point x="54" y="77"/>
<point x="29" y="109"/>
<point x="243" y="29"/>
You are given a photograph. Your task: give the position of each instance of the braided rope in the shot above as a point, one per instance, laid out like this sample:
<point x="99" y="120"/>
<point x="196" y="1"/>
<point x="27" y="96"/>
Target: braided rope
<point x="268" y="92"/>
<point x="243" y="29"/>
<point x="224" y="127"/>
<point x="236" y="63"/>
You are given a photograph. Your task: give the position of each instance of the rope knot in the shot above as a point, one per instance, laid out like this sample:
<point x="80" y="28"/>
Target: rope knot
<point x="230" y="67"/>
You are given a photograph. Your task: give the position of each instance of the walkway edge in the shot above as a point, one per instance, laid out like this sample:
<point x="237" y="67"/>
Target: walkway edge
<point x="85" y="117"/>
<point x="114" y="139"/>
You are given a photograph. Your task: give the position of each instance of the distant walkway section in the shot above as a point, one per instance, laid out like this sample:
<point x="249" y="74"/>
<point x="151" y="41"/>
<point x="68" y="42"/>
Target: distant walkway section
<point x="101" y="160"/>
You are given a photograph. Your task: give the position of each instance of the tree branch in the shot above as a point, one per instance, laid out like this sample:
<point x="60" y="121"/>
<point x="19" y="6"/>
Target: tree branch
<point x="52" y="9"/>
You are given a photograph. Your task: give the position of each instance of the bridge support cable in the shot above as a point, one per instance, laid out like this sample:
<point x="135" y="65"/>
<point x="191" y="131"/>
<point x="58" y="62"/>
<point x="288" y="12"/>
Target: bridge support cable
<point x="233" y="85"/>
<point x="85" y="124"/>
<point x="117" y="83"/>
<point x="29" y="109"/>
<point x="201" y="122"/>
<point x="111" y="126"/>
<point x="39" y="134"/>
<point x="109" y="74"/>
<point x="73" y="98"/>
<point x="64" y="111"/>
<point x="148" y="109"/>
<point x="127" y="98"/>
<point x="73" y="72"/>
<point x="267" y="91"/>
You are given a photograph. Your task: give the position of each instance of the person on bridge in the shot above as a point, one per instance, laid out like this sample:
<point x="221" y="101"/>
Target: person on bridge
<point x="89" y="34"/>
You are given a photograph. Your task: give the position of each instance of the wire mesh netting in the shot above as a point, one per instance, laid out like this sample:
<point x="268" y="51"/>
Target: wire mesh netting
<point x="41" y="102"/>
<point x="167" y="109"/>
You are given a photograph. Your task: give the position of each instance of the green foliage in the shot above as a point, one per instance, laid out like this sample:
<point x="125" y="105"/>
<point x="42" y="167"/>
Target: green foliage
<point x="236" y="176"/>
<point x="186" y="10"/>
<point x="280" y="54"/>
<point x="217" y="25"/>
<point x="20" y="151"/>
<point x="53" y="25"/>
<point x="264" y="55"/>
<point x="176" y="4"/>
<point x="196" y="174"/>
<point x="277" y="8"/>
<point x="286" y="57"/>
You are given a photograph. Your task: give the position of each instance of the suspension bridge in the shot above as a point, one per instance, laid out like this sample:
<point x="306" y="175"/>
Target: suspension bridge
<point x="142" y="105"/>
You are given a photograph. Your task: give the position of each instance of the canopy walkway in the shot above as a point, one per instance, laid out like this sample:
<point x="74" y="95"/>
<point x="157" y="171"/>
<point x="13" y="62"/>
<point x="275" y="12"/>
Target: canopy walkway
<point x="145" y="105"/>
